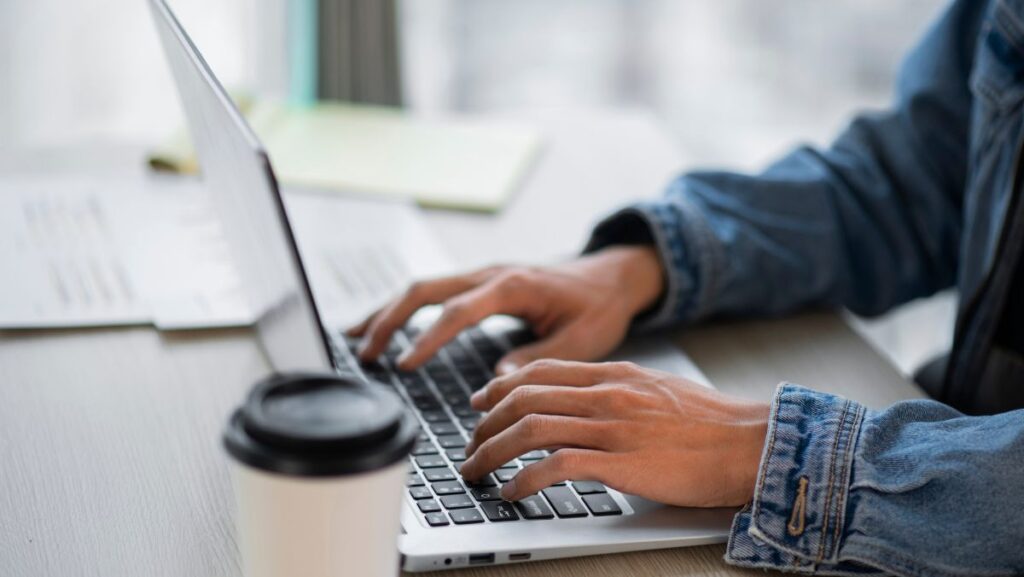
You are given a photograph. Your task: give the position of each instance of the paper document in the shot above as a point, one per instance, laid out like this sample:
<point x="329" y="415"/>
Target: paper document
<point x="99" y="252"/>
<point x="360" y="253"/>
<point x="452" y="163"/>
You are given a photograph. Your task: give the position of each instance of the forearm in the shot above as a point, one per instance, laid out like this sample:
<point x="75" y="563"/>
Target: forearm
<point x="868" y="223"/>
<point x="916" y="489"/>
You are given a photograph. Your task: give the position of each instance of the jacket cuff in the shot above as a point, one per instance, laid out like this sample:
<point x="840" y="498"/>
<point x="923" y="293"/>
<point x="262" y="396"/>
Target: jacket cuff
<point x="796" y="519"/>
<point x="686" y="247"/>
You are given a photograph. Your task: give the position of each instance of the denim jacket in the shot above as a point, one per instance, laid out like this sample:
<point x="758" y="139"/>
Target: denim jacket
<point x="906" y="202"/>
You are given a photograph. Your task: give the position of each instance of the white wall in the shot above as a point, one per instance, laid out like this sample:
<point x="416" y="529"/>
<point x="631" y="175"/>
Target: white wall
<point x="82" y="70"/>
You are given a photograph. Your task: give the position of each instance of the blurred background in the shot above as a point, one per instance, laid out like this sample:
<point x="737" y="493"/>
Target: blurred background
<point x="735" y="82"/>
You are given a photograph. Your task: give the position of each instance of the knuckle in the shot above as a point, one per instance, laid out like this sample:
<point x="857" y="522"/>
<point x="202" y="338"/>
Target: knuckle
<point x="532" y="426"/>
<point x="517" y="398"/>
<point x="415" y="290"/>
<point x="514" y="280"/>
<point x="541" y="366"/>
<point x="626" y="368"/>
<point x="455" y="309"/>
<point x="564" y="461"/>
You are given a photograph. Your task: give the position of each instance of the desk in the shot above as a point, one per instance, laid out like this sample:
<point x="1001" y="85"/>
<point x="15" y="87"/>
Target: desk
<point x="110" y="463"/>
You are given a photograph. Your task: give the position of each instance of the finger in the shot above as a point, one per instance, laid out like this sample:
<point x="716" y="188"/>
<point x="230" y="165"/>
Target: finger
<point x="561" y="465"/>
<point x="461" y="312"/>
<point x="531" y="433"/>
<point x="527" y="400"/>
<point x="557" y="346"/>
<point x="359" y="329"/>
<point x="394" y="316"/>
<point x="543" y="372"/>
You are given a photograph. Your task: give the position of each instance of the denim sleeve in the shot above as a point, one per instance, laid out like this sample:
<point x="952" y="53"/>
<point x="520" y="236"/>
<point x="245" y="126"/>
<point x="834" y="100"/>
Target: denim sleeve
<point x="871" y="222"/>
<point x="915" y="489"/>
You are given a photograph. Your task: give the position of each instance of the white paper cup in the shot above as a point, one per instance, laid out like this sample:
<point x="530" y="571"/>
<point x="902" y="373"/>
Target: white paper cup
<point x="318" y="468"/>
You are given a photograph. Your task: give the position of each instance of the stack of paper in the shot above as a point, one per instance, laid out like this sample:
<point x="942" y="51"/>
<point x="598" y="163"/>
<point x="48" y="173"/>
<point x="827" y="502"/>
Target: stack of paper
<point x="101" y="252"/>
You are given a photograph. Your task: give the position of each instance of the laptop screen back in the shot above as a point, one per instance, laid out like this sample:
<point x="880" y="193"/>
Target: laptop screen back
<point x="245" y="196"/>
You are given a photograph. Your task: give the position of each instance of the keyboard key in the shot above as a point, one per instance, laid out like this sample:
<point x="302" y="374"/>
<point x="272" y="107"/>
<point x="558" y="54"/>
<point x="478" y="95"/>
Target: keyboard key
<point x="444" y="428"/>
<point x="420" y="492"/>
<point x="456" y="501"/>
<point x="428" y="461"/>
<point x="588" y="487"/>
<point x="602" y="504"/>
<point x="485" y="481"/>
<point x="534" y="507"/>
<point x="429" y="506"/>
<point x="448" y="488"/>
<point x="414" y="480"/>
<point x="469" y="423"/>
<point x="499" y="511"/>
<point x="434" y="416"/>
<point x="422" y="448"/>
<point x="463" y="411"/>
<point x="565" y="503"/>
<point x="451" y="441"/>
<point x="449" y="388"/>
<point x="465" y="516"/>
<point x="505" y="475"/>
<point x="456" y="455"/>
<point x="440" y="474"/>
<point x="486" y="493"/>
<point x="436" y="519"/>
<point x="427" y="403"/>
<point x="533" y="456"/>
<point x="456" y="399"/>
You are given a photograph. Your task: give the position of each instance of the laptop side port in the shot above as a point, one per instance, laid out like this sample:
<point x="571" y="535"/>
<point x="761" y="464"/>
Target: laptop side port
<point x="519" y="557"/>
<point x="481" y="559"/>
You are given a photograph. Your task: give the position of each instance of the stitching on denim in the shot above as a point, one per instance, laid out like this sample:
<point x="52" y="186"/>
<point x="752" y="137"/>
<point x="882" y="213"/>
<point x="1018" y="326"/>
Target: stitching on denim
<point x="798" y="517"/>
<point x="851" y="443"/>
<point x="1012" y="28"/>
<point x="770" y="451"/>
<point x="831" y="478"/>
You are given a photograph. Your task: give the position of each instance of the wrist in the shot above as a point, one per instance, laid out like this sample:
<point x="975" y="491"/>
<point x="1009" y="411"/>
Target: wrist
<point x="639" y="273"/>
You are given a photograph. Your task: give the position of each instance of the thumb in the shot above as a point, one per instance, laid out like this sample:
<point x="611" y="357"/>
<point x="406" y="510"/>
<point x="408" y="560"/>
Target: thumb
<point x="557" y="346"/>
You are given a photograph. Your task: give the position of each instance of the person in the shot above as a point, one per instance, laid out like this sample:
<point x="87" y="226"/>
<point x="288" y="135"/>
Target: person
<point x="904" y="203"/>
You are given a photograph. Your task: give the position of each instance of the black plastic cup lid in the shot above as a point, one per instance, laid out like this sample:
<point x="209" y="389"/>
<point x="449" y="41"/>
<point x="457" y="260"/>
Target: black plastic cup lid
<point x="313" y="425"/>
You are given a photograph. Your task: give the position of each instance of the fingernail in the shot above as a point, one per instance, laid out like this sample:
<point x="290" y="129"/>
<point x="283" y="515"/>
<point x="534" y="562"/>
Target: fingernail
<point x="508" y="490"/>
<point x="478" y="396"/>
<point x="403" y="359"/>
<point x="507" y="367"/>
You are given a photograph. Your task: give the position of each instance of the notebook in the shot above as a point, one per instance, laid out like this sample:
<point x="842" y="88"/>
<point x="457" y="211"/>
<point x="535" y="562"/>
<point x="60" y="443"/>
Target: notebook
<point x="456" y="163"/>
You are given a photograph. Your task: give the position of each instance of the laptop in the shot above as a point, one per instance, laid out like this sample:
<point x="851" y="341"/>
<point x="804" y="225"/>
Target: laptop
<point x="446" y="522"/>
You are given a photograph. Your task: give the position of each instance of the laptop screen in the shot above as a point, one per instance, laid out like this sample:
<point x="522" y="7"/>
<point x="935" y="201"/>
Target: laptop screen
<point x="245" y="196"/>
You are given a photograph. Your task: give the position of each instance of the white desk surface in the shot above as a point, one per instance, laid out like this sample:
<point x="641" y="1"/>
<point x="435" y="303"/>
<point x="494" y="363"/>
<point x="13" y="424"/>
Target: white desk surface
<point x="110" y="463"/>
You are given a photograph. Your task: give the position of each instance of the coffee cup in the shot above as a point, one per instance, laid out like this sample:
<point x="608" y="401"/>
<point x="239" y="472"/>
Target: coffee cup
<point x="319" y="463"/>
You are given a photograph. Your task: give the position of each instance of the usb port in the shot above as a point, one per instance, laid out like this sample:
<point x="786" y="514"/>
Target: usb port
<point x="519" y="557"/>
<point x="481" y="559"/>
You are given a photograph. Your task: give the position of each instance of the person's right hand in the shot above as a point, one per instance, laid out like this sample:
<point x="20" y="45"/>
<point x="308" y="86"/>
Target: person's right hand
<point x="579" y="310"/>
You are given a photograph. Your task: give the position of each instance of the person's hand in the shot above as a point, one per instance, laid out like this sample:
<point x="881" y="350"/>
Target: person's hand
<point x="579" y="310"/>
<point x="639" y="431"/>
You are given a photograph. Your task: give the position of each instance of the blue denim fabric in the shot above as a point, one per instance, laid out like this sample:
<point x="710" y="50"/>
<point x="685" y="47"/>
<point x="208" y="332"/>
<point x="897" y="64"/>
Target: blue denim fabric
<point x="906" y="202"/>
<point x="915" y="489"/>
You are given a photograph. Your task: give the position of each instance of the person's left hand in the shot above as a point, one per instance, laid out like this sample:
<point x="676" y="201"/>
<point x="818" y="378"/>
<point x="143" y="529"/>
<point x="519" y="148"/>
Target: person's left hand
<point x="639" y="431"/>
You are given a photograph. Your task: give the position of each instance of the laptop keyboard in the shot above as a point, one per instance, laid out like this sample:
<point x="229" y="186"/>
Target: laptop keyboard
<point x="439" y="393"/>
